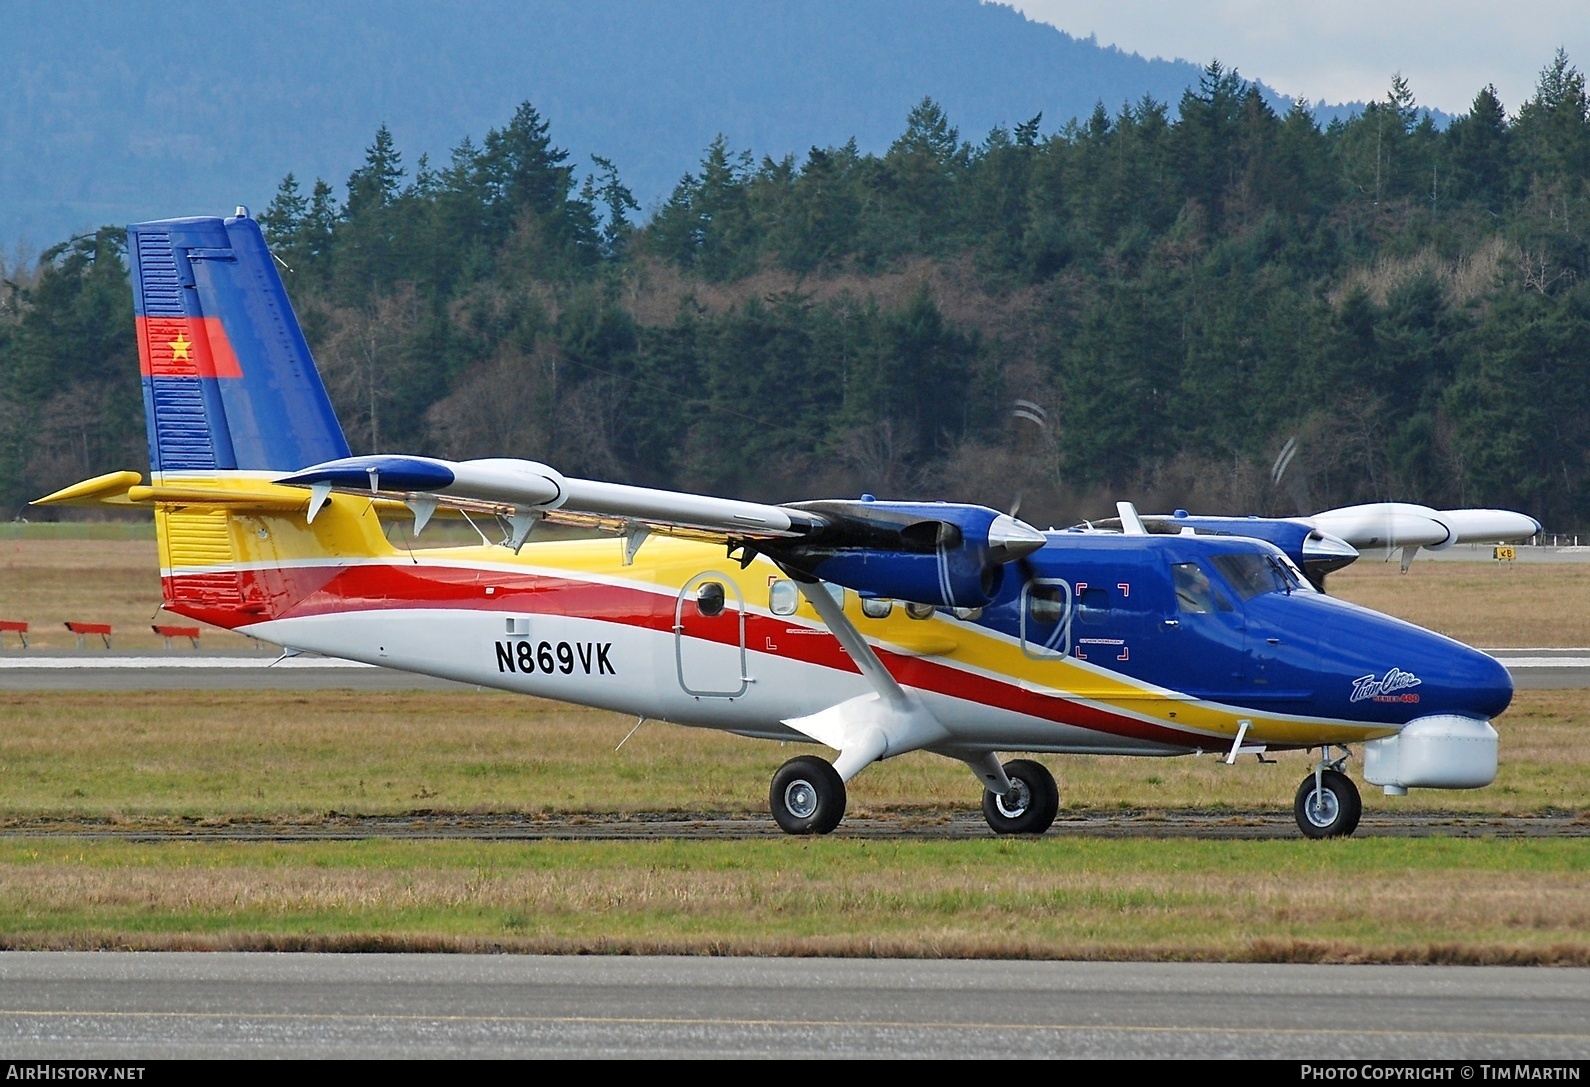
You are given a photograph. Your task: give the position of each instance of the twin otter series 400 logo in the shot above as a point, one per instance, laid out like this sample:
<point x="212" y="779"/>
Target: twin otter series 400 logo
<point x="1384" y="688"/>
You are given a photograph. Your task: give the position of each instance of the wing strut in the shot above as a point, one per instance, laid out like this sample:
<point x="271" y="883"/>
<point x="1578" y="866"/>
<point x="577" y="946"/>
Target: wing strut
<point x="869" y="727"/>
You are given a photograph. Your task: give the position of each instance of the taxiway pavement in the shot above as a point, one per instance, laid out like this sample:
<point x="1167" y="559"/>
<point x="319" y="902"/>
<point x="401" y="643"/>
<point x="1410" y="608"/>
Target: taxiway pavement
<point x="161" y="1005"/>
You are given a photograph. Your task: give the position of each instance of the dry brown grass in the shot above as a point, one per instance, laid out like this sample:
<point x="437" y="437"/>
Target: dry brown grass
<point x="47" y="582"/>
<point x="1381" y="900"/>
<point x="1484" y="604"/>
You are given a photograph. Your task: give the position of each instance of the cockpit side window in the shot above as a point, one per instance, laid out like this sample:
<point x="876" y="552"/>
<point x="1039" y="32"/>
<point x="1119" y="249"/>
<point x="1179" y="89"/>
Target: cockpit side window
<point x="1194" y="594"/>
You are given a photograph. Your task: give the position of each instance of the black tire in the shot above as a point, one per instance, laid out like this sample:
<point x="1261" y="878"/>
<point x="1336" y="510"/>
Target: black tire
<point x="1033" y="807"/>
<point x="1335" y="814"/>
<point x="807" y="797"/>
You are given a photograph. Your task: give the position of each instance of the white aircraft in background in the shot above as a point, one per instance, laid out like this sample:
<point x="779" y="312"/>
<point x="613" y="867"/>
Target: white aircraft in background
<point x="1403" y="525"/>
<point x="1328" y="541"/>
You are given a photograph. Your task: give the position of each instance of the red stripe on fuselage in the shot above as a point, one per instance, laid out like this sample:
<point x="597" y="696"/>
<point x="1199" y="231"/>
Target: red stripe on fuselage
<point x="185" y="347"/>
<point x="299" y="592"/>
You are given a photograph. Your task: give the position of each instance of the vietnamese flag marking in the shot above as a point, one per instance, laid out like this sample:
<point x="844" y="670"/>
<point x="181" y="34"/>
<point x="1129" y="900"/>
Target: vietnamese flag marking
<point x="185" y="347"/>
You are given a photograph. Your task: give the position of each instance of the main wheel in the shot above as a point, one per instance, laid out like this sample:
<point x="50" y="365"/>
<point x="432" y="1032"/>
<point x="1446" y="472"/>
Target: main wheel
<point x="1332" y="810"/>
<point x="807" y="797"/>
<point x="1031" y="804"/>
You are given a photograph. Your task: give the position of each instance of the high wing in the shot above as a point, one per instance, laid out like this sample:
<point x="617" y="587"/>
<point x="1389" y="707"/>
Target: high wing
<point x="524" y="491"/>
<point x="940" y="553"/>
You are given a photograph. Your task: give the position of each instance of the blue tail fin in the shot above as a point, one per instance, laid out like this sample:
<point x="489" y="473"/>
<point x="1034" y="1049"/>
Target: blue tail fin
<point x="228" y="379"/>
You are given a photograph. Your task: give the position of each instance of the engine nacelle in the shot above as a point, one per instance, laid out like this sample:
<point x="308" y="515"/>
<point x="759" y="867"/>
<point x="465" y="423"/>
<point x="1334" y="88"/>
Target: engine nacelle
<point x="938" y="553"/>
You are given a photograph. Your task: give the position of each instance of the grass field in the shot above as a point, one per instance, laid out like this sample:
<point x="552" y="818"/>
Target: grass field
<point x="261" y="754"/>
<point x="1378" y="900"/>
<point x="1484" y="604"/>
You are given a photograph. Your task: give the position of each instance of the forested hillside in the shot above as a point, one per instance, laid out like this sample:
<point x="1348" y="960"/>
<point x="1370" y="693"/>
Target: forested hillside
<point x="1146" y="305"/>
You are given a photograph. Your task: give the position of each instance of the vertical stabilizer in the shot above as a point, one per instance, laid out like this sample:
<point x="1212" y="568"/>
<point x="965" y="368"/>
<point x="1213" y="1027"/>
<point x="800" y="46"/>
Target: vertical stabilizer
<point x="229" y="383"/>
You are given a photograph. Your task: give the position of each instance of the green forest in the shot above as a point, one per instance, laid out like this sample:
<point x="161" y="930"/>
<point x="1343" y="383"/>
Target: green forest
<point x="1149" y="303"/>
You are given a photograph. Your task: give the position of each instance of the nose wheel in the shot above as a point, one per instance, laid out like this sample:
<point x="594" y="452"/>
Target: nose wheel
<point x="1031" y="804"/>
<point x="807" y="797"/>
<point x="1327" y="805"/>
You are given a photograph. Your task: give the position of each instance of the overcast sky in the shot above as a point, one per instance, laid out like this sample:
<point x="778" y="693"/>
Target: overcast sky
<point x="1345" y="50"/>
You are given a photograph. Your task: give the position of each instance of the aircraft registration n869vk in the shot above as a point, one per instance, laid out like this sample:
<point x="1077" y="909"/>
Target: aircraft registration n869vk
<point x="876" y="628"/>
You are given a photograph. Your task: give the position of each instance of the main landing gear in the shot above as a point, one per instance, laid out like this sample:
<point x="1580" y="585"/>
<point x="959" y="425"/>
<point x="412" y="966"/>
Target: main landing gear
<point x="808" y="797"/>
<point x="1327" y="803"/>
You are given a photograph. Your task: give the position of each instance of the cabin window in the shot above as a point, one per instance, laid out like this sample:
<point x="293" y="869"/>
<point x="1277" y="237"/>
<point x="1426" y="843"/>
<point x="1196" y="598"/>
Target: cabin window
<point x="876" y="607"/>
<point x="1093" y="605"/>
<point x="783" y="597"/>
<point x="710" y="598"/>
<point x="919" y="611"/>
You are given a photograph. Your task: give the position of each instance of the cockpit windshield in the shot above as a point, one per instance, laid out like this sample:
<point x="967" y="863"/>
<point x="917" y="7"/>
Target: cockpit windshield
<point x="1252" y="573"/>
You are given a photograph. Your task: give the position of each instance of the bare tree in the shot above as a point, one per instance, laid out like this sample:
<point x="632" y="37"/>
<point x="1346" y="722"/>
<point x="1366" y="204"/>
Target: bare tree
<point x="364" y="346"/>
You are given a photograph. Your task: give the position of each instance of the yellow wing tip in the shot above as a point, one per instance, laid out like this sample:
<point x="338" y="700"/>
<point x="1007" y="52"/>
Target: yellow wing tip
<point x="108" y="489"/>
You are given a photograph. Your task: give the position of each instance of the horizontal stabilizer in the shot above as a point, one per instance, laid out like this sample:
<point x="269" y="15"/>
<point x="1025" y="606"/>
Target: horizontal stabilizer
<point x="109" y="489"/>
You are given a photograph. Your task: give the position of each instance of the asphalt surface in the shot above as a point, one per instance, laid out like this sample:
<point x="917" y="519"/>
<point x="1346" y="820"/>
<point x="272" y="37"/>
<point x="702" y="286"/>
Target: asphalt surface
<point x="162" y="1005"/>
<point x="1213" y="825"/>
<point x="1546" y="669"/>
<point x="93" y="670"/>
<point x="180" y="670"/>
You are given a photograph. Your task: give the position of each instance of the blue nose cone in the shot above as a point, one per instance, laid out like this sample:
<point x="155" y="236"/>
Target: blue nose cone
<point x="1481" y="685"/>
<point x="1456" y="679"/>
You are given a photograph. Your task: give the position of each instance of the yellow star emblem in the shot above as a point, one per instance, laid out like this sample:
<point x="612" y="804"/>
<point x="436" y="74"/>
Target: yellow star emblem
<point x="179" y="348"/>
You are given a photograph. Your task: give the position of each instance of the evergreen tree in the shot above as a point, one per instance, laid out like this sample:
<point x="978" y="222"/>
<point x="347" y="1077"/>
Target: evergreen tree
<point x="1479" y="150"/>
<point x="1553" y="129"/>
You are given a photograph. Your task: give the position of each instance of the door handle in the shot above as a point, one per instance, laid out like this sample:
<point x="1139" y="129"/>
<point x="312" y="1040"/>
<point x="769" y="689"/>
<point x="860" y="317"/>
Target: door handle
<point x="1173" y="622"/>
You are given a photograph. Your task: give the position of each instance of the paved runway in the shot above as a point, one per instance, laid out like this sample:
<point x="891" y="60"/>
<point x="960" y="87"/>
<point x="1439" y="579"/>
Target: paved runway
<point x="148" y="1006"/>
<point x="1553" y="668"/>
<point x="1546" y="669"/>
<point x="157" y="670"/>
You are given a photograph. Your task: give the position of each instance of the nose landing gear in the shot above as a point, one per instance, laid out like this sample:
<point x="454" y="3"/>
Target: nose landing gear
<point x="1031" y="804"/>
<point x="1327" y="803"/>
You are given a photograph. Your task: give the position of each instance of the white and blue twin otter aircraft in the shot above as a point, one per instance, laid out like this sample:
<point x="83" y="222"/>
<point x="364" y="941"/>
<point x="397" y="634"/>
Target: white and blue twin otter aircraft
<point x="873" y="627"/>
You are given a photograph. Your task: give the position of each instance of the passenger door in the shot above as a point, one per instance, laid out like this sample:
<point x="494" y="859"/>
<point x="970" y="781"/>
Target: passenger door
<point x="709" y="637"/>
